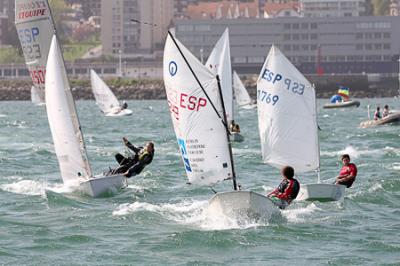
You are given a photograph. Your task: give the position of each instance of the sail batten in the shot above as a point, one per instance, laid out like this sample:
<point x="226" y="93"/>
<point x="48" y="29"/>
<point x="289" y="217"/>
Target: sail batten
<point x="201" y="135"/>
<point x="287" y="115"/>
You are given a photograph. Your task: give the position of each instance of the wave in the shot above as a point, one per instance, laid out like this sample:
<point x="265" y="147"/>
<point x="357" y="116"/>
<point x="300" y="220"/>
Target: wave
<point x="355" y="153"/>
<point x="35" y="188"/>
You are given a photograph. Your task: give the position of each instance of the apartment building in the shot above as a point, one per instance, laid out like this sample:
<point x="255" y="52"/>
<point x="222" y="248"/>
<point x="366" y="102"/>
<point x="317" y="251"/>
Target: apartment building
<point x="135" y="27"/>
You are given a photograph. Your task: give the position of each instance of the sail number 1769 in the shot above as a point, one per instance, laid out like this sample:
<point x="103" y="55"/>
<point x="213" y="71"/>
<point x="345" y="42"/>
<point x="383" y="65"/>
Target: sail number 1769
<point x="266" y="97"/>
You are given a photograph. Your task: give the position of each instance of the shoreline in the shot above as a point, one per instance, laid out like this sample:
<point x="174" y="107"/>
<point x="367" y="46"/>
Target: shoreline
<point x="19" y="90"/>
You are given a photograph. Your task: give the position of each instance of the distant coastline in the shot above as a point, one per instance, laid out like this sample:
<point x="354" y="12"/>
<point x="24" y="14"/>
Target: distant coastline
<point x="360" y="87"/>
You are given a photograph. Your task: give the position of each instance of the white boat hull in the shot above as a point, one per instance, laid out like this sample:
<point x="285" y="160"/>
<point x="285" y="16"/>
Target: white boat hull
<point x="103" y="185"/>
<point x="342" y="104"/>
<point x="236" y="137"/>
<point x="321" y="192"/>
<point x="120" y="113"/>
<point x="242" y="204"/>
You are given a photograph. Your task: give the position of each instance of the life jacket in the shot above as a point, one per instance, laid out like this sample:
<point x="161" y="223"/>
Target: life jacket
<point x="143" y="153"/>
<point x="290" y="183"/>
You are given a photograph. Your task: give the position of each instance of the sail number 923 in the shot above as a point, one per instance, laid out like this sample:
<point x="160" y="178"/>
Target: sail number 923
<point x="264" y="96"/>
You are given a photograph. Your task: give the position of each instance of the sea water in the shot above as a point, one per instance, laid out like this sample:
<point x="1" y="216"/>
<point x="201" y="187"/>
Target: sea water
<point x="161" y="220"/>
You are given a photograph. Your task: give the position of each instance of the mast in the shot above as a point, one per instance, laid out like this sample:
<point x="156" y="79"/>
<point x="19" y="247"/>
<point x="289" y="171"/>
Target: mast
<point x="318" y="146"/>
<point x="227" y="135"/>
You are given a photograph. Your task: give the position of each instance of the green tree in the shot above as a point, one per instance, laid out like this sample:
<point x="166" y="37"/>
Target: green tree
<point x="381" y="7"/>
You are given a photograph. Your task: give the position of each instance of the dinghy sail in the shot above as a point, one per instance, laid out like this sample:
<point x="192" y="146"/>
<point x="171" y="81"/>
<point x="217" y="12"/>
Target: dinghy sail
<point x="287" y="117"/>
<point x="35" y="27"/>
<point x="105" y="98"/>
<point x="219" y="62"/>
<point x="197" y="112"/>
<point x="66" y="131"/>
<point x="241" y="95"/>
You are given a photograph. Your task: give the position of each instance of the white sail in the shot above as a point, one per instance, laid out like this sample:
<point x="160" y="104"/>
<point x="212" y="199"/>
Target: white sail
<point x="241" y="94"/>
<point x="287" y="115"/>
<point x="199" y="130"/>
<point x="35" y="97"/>
<point x="219" y="62"/>
<point x="35" y="27"/>
<point x="63" y="120"/>
<point x="105" y="98"/>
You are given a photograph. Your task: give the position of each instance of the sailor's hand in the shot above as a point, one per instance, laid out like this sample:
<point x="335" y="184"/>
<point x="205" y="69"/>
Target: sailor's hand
<point x="125" y="140"/>
<point x="126" y="173"/>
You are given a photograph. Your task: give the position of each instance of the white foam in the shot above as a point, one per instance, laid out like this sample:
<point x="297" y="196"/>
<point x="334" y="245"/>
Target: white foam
<point x="375" y="187"/>
<point x="299" y="214"/>
<point x="35" y="188"/>
<point x="396" y="166"/>
<point x="187" y="212"/>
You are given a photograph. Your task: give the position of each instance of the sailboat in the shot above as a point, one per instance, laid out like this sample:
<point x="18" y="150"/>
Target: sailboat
<point x="287" y="119"/>
<point x="35" y="97"/>
<point x="242" y="97"/>
<point x="66" y="131"/>
<point x="199" y="119"/>
<point x="34" y="32"/>
<point x="219" y="62"/>
<point x="105" y="98"/>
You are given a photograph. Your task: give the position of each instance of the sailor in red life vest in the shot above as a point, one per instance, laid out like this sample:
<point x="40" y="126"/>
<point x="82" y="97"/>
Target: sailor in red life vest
<point x="287" y="190"/>
<point x="348" y="173"/>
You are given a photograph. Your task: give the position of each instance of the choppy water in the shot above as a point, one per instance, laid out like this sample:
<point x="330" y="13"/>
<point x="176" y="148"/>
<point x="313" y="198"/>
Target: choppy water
<point x="159" y="219"/>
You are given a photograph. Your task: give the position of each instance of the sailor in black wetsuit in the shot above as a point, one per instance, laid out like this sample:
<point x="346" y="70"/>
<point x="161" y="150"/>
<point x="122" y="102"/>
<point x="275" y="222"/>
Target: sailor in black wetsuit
<point x="133" y="165"/>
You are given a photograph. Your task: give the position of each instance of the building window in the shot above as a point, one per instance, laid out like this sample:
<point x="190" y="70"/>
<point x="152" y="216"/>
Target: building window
<point x="386" y="46"/>
<point x="314" y="25"/>
<point x="286" y="26"/>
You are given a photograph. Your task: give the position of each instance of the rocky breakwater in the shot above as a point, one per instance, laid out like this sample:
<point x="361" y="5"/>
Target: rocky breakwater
<point x="19" y="90"/>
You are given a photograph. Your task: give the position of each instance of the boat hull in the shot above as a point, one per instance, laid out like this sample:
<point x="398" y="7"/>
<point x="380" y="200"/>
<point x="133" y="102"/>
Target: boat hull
<point x="103" y="185"/>
<point x="342" y="104"/>
<point x="390" y="119"/>
<point x="124" y="112"/>
<point x="321" y="192"/>
<point x="242" y="204"/>
<point x="236" y="137"/>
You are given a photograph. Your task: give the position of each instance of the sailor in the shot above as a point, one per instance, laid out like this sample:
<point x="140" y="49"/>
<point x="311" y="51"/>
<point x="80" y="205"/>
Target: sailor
<point x="124" y="105"/>
<point x="348" y="173"/>
<point x="287" y="190"/>
<point x="233" y="127"/>
<point x="336" y="99"/>
<point x="385" y="111"/>
<point x="377" y="114"/>
<point x="134" y="164"/>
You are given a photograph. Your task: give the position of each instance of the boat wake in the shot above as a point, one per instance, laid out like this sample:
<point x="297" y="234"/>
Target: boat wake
<point x="191" y="213"/>
<point x="299" y="214"/>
